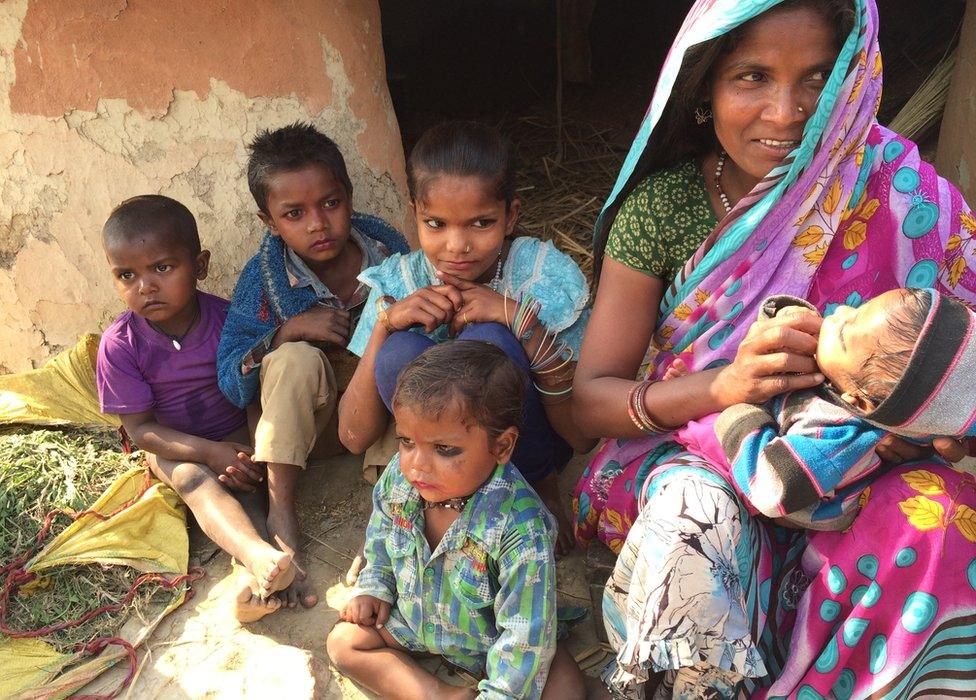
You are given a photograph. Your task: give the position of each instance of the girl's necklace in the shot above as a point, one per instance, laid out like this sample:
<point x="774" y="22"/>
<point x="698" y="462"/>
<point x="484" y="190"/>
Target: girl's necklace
<point x="719" y="167"/>
<point x="177" y="340"/>
<point x="457" y="504"/>
<point x="496" y="281"/>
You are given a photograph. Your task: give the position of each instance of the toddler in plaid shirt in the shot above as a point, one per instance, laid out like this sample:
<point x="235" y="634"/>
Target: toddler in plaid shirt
<point x="459" y="548"/>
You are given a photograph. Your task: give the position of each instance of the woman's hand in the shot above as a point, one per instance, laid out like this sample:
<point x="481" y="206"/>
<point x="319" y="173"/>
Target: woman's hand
<point x="480" y="303"/>
<point x="776" y="356"/>
<point x="430" y="307"/>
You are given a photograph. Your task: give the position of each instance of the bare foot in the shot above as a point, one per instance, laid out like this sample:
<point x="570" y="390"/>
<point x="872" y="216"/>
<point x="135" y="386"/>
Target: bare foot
<point x="301" y="591"/>
<point x="283" y="528"/>
<point x="358" y="562"/>
<point x="272" y="569"/>
<point x="248" y="605"/>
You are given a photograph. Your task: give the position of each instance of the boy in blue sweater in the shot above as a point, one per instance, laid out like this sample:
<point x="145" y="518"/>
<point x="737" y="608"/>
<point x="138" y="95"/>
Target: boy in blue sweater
<point x="292" y="309"/>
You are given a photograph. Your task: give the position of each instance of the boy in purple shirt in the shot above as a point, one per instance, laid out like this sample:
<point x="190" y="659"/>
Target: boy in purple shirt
<point x="157" y="369"/>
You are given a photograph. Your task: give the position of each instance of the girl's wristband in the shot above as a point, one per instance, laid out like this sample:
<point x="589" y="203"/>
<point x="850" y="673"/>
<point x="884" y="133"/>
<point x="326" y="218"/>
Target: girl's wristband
<point x="382" y="304"/>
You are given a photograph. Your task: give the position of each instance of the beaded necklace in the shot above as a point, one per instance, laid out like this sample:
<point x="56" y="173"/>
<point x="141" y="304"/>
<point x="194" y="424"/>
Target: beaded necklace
<point x="719" y="167"/>
<point x="457" y="504"/>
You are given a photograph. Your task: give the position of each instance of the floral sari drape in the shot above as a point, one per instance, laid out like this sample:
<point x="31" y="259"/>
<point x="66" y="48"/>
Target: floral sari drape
<point x="852" y="213"/>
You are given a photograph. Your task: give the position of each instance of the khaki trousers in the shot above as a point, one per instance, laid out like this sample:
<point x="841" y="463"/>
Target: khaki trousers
<point x="298" y="406"/>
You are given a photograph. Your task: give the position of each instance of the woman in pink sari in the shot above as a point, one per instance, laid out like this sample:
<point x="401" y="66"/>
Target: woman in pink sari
<point x="760" y="168"/>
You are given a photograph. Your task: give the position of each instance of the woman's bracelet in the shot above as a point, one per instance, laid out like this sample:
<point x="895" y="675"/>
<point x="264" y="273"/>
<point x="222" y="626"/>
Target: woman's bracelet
<point x="638" y="414"/>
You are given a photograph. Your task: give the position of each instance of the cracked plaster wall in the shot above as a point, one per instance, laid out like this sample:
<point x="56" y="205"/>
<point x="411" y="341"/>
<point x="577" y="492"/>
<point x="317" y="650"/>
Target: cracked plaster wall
<point x="105" y="99"/>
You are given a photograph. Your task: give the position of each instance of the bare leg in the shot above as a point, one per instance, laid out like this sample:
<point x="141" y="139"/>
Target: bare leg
<point x="225" y="520"/>
<point x="565" y="680"/>
<point x="548" y="489"/>
<point x="375" y="660"/>
<point x="283" y="522"/>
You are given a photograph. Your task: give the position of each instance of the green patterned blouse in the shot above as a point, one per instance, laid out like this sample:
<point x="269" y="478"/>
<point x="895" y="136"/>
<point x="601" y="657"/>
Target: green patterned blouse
<point x="662" y="222"/>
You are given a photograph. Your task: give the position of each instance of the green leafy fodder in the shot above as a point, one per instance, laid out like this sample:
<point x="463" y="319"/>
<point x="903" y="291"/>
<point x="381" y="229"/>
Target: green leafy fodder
<point x="44" y="469"/>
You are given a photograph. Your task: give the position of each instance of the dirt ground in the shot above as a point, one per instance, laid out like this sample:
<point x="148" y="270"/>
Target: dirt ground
<point x="200" y="651"/>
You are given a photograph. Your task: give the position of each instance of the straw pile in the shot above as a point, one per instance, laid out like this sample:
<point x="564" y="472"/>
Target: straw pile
<point x="41" y="470"/>
<point x="561" y="197"/>
<point x="924" y="108"/>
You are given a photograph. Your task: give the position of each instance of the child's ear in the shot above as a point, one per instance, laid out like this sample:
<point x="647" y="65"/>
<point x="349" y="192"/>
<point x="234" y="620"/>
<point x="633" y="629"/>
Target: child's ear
<point x="268" y="222"/>
<point x="505" y="445"/>
<point x="203" y="264"/>
<point x="514" y="209"/>
<point x="855" y="399"/>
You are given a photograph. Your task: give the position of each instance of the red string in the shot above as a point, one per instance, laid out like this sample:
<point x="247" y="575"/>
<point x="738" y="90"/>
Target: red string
<point x="16" y="575"/>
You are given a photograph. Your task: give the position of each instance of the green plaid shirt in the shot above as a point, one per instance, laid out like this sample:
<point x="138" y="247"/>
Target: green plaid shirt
<point x="485" y="599"/>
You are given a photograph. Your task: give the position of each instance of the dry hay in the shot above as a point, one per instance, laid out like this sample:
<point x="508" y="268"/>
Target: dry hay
<point x="41" y="470"/>
<point x="561" y="196"/>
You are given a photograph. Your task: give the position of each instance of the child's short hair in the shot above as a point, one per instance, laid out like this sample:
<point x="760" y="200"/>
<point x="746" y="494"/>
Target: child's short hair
<point x="287" y="149"/>
<point x="153" y="214"/>
<point x="880" y="373"/>
<point x="488" y="387"/>
<point x="464" y="149"/>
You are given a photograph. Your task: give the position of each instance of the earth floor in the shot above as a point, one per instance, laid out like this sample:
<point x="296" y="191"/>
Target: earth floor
<point x="200" y="651"/>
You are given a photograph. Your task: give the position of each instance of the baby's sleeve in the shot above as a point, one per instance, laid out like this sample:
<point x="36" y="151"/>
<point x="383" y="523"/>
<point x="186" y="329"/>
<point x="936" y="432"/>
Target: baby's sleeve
<point x="122" y="388"/>
<point x="783" y="465"/>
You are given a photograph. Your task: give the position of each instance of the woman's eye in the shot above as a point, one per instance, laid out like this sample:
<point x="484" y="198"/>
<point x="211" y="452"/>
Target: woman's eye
<point x="433" y="223"/>
<point x="819" y="77"/>
<point x="753" y="77"/>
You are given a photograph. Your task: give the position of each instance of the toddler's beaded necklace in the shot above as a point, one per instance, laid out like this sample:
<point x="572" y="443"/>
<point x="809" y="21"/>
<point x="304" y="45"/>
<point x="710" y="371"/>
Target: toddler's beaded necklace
<point x="457" y="504"/>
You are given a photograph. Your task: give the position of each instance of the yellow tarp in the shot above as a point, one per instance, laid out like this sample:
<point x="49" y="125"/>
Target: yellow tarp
<point x="149" y="535"/>
<point x="61" y="392"/>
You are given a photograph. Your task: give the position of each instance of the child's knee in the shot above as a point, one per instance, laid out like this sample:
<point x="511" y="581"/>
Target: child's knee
<point x="399" y="350"/>
<point x="396" y="353"/>
<point x="501" y="337"/>
<point x="294" y="357"/>
<point x="188" y="477"/>
<point x="341" y="645"/>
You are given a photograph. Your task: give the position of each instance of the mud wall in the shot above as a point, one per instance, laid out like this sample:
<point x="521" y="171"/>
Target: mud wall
<point x="101" y="100"/>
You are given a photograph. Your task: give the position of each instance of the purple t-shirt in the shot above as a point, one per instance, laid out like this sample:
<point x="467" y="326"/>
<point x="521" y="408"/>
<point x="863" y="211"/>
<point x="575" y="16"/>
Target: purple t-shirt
<point x="138" y="370"/>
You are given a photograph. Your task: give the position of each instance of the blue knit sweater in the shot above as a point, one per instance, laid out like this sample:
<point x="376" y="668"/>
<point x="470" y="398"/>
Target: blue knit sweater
<point x="263" y="300"/>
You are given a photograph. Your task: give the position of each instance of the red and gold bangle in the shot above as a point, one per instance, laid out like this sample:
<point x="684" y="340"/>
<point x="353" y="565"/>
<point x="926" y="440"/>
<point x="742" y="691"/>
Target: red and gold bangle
<point x="638" y="414"/>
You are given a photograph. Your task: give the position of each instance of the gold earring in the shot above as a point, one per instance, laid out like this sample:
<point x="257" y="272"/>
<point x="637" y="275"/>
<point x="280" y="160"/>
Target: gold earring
<point x="799" y="109"/>
<point x="467" y="248"/>
<point x="702" y="114"/>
